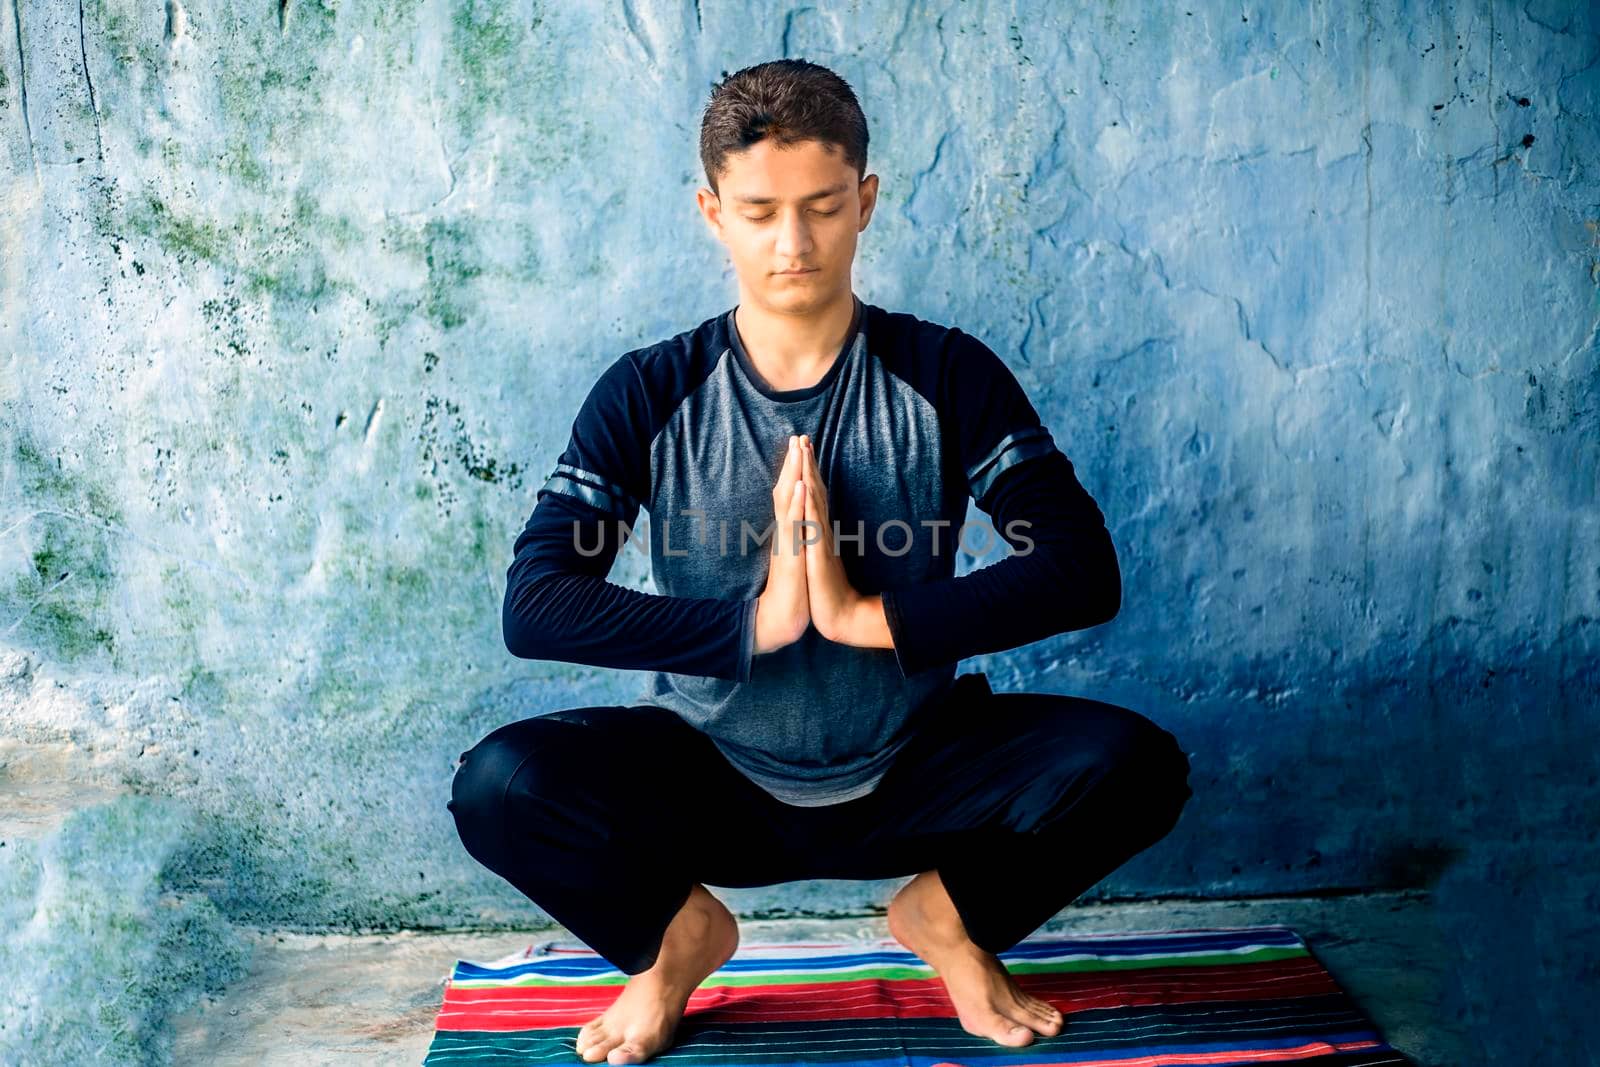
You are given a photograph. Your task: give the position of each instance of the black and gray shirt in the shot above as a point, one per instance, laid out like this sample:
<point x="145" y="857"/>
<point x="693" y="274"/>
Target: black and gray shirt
<point x="909" y="420"/>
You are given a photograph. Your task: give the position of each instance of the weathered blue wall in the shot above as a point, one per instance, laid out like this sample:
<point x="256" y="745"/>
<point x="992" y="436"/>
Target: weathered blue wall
<point x="297" y="302"/>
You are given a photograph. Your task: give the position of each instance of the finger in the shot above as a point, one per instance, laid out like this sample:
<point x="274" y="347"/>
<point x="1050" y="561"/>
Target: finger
<point x="814" y="481"/>
<point x="817" y="530"/>
<point x="809" y="455"/>
<point x="812" y="504"/>
<point x="792" y="466"/>
<point x="792" y="458"/>
<point x="797" y="512"/>
<point x="808" y="513"/>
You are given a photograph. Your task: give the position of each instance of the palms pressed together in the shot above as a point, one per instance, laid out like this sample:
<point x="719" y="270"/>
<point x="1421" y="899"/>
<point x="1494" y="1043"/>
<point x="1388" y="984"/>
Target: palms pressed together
<point x="807" y="583"/>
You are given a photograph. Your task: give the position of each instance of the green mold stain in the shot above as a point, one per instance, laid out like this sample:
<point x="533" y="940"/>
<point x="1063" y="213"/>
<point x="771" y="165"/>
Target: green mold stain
<point x="44" y="479"/>
<point x="291" y="268"/>
<point x="449" y="251"/>
<point x="309" y="217"/>
<point x="204" y="690"/>
<point x="451" y="266"/>
<point x="446" y="442"/>
<point x="183" y="237"/>
<point x="484" y="41"/>
<point x="101" y="890"/>
<point x="239" y="161"/>
<point x="397" y="16"/>
<point x="405" y="579"/>
<point x="59" y="603"/>
<point x="488" y="539"/>
<point x="271" y="85"/>
<point x="271" y="93"/>
<point x="131" y="40"/>
<point x="114" y="26"/>
<point x="424" y="602"/>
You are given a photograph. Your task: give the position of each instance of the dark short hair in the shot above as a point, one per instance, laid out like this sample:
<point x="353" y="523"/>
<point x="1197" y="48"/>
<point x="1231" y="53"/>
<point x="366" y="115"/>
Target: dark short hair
<point x="789" y="100"/>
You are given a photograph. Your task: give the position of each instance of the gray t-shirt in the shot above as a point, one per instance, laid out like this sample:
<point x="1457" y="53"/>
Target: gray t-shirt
<point x="909" y="420"/>
<point x="828" y="713"/>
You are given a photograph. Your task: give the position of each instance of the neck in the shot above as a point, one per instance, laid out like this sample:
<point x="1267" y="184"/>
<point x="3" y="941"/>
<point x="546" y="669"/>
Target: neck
<point x="794" y="348"/>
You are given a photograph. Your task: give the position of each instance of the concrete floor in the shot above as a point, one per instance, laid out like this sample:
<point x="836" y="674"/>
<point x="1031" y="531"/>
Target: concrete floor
<point x="342" y="999"/>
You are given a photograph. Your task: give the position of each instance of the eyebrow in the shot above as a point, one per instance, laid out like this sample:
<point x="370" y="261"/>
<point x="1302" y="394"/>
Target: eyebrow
<point x="774" y="200"/>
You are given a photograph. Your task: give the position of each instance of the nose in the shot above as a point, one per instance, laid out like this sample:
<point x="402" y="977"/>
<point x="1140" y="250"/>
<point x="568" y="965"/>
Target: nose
<point x="794" y="240"/>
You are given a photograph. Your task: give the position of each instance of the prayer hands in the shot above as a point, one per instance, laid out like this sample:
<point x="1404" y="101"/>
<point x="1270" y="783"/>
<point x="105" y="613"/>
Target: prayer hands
<point x="782" y="610"/>
<point x="834" y="602"/>
<point x="806" y="583"/>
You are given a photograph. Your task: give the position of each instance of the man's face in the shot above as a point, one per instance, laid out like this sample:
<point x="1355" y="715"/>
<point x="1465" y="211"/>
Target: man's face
<point x="771" y="220"/>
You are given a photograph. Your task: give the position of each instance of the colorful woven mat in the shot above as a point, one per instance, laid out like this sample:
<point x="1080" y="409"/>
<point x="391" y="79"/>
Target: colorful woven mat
<point x="1239" y="995"/>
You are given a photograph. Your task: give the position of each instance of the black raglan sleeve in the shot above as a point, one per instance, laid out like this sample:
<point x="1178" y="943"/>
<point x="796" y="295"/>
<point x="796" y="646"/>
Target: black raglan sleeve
<point x="1066" y="579"/>
<point x="559" y="604"/>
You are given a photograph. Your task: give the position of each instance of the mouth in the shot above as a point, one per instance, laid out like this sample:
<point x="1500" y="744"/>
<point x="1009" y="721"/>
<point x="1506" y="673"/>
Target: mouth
<point x="808" y="270"/>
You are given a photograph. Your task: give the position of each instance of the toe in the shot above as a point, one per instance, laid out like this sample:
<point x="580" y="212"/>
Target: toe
<point x="591" y="1031"/>
<point x="624" y="1053"/>
<point x="1047" y="1015"/>
<point x="1022" y="1014"/>
<point x="595" y="1048"/>
<point x="1017" y="1034"/>
<point x="1008" y="1032"/>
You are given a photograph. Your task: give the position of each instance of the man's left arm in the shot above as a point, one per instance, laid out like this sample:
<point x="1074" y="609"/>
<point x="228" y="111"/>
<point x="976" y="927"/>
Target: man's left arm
<point x="1063" y="574"/>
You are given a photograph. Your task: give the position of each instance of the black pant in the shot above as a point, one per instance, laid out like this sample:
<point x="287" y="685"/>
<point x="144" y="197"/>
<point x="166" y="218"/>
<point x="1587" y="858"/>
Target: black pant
<point x="607" y="816"/>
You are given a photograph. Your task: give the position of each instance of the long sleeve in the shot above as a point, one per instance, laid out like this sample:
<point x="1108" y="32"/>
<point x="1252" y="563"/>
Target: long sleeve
<point x="1067" y="579"/>
<point x="559" y="604"/>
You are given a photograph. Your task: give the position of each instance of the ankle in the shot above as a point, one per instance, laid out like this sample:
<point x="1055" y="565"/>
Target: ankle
<point x="702" y="927"/>
<point x="922" y="913"/>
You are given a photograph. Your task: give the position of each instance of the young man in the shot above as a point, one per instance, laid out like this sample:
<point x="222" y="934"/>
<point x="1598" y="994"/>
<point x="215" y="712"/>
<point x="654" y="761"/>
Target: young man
<point x="806" y="460"/>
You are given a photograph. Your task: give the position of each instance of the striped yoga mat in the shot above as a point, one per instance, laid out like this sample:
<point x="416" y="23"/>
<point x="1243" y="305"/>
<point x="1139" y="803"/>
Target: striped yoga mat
<point x="1231" y="995"/>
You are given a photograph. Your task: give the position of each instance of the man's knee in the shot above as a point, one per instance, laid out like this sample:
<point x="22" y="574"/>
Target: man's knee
<point x="484" y="772"/>
<point x="1154" y="771"/>
<point x="1142" y="763"/>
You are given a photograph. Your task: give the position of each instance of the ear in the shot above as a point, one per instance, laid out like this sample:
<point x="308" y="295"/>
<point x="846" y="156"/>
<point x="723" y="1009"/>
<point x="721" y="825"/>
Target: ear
<point x="868" y="192"/>
<point x="710" y="210"/>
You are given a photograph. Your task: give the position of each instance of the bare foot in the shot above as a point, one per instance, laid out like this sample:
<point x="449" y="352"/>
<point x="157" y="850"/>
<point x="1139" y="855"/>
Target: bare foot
<point x="987" y="999"/>
<point x="645" y="1015"/>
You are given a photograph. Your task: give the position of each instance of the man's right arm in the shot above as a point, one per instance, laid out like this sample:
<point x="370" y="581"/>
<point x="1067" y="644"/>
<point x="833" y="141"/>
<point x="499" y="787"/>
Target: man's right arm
<point x="559" y="604"/>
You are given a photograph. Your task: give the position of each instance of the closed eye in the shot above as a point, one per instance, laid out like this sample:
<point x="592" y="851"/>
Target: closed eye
<point x="764" y="218"/>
